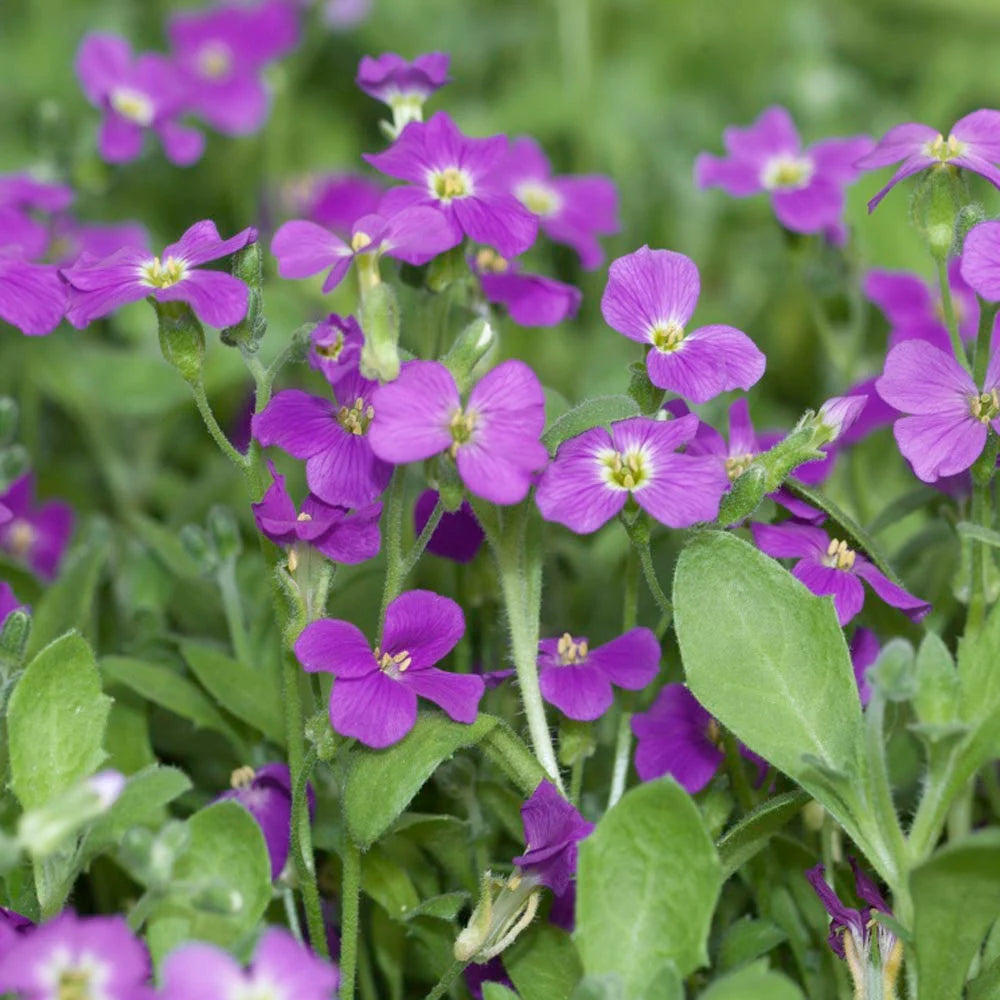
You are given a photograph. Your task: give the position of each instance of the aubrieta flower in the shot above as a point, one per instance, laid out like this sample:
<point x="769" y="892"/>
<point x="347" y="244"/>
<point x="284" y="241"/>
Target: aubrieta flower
<point x="374" y="698"/>
<point x="403" y="86"/>
<point x="980" y="265"/>
<point x="22" y="197"/>
<point x="459" y="177"/>
<point x="222" y="50"/>
<point x="71" y="238"/>
<point x="36" y="535"/>
<point x="32" y="298"/>
<point x="332" y="436"/>
<point x="100" y="286"/>
<point x="147" y="93"/>
<point x="578" y="679"/>
<point x="335" y="347"/>
<point x="593" y="474"/>
<point x="95" y="958"/>
<point x="864" y="648"/>
<point x="649" y="298"/>
<point x="572" y="210"/>
<point x="457" y="537"/>
<point x="493" y="438"/>
<point x="806" y="185"/>
<point x="530" y="299"/>
<point x="827" y="566"/>
<point x="281" y="969"/>
<point x="12" y="923"/>
<point x="335" y="201"/>
<point x="973" y="144"/>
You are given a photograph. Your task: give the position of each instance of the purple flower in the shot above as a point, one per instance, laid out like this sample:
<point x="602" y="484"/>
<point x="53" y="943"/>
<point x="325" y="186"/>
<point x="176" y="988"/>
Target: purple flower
<point x="335" y="201"/>
<point x="341" y="15"/>
<point x="458" y="176"/>
<point x="876" y="413"/>
<point x="335" y="347"/>
<point x="8" y="601"/>
<point x="573" y="210"/>
<point x="333" y="440"/>
<point x="864" y="650"/>
<point x="72" y="238"/>
<point x="458" y="535"/>
<point x="20" y="195"/>
<point x="494" y="438"/>
<point x="980" y="265"/>
<point x="281" y="967"/>
<point x="577" y="679"/>
<point x="99" y="286"/>
<point x="489" y="972"/>
<point x="75" y="956"/>
<point x="12" y="924"/>
<point x="649" y="298"/>
<point x="402" y="85"/>
<point x="828" y="567"/>
<point x="35" y="535"/>
<point x="340" y="535"/>
<point x="374" y="698"/>
<point x="32" y="297"/>
<point x="530" y="299"/>
<point x="594" y="473"/>
<point x="552" y="829"/>
<point x="221" y="52"/>
<point x="974" y="144"/>
<point x="948" y="421"/>
<point x="148" y="93"/>
<point x="806" y="185"/>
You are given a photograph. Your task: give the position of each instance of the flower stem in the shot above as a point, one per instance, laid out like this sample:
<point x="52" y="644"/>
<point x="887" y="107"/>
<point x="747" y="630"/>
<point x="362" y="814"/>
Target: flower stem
<point x="619" y="769"/>
<point x="350" y="890"/>
<point x="413" y="556"/>
<point x="451" y="974"/>
<point x="233" y="609"/>
<point x="393" y="544"/>
<point x="950" y="320"/>
<point x="737" y="772"/>
<point x="291" y="914"/>
<point x="242" y="462"/>
<point x="576" y="781"/>
<point x="302" y="848"/>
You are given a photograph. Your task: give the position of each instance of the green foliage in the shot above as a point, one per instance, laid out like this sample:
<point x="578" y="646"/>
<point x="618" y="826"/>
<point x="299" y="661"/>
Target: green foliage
<point x="747" y="940"/>
<point x="543" y="964"/>
<point x="755" y="982"/>
<point x="750" y="835"/>
<point x="599" y="412"/>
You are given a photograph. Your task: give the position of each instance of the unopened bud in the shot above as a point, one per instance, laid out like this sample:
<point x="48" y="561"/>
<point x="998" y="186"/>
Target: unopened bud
<point x="937" y="200"/>
<point x="470" y="347"/>
<point x="197" y="545"/>
<point x="14" y="640"/>
<point x="249" y="332"/>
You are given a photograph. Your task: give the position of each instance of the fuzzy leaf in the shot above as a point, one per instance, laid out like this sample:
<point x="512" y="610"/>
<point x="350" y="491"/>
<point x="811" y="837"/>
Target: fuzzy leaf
<point x="751" y="834"/>
<point x="598" y="412"/>
<point x="543" y="964"/>
<point x="755" y="982"/>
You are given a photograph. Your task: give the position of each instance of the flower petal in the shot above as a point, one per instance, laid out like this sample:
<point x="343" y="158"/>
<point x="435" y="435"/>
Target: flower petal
<point x="375" y="709"/>
<point x="425" y="625"/>
<point x="578" y="690"/>
<point x="630" y="661"/>
<point x="892" y="594"/>
<point x="336" y="647"/>
<point x="845" y="588"/>
<point x="457" y="694"/>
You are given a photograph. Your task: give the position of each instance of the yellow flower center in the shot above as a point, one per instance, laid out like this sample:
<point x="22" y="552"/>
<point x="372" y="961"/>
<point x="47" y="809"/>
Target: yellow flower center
<point x="215" y="60"/>
<point x="944" y="149"/>
<point x="165" y="274"/>
<point x="490" y="262"/>
<point x="242" y="777"/>
<point x="786" y="173"/>
<point x="462" y="426"/>
<point x="667" y="336"/>
<point x="133" y="105"/>
<point x="356" y="419"/>
<point x="625" y="471"/>
<point x="331" y="351"/>
<point x="74" y="984"/>
<point x="838" y="555"/>
<point x="736" y="465"/>
<point x="393" y="664"/>
<point x="570" y="651"/>
<point x="538" y="198"/>
<point x="359" y="241"/>
<point x="450" y="183"/>
<point x="20" y="537"/>
<point x="985" y="406"/>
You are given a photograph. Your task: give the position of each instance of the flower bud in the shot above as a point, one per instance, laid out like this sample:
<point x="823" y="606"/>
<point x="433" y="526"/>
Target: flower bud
<point x="470" y="347"/>
<point x="380" y="323"/>
<point x="224" y="533"/>
<point x="197" y="545"/>
<point x="937" y="201"/>
<point x="446" y="268"/>
<point x="642" y="390"/>
<point x="14" y="463"/>
<point x="14" y="640"/>
<point x="505" y="908"/>
<point x="249" y="332"/>
<point x="744" y="495"/>
<point x="182" y="339"/>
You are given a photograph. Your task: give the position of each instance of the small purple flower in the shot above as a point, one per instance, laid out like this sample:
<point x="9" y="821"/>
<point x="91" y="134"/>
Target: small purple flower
<point x="403" y="86"/>
<point x="21" y="233"/>
<point x="876" y="413"/>
<point x="35" y="535"/>
<point x="72" y="238"/>
<point x="828" y="567"/>
<point x="488" y="972"/>
<point x="334" y="201"/>
<point x="980" y="265"/>
<point x="458" y="535"/>
<point x="342" y="15"/>
<point x="281" y="967"/>
<point x="948" y="416"/>
<point x="577" y="679"/>
<point x="594" y="473"/>
<point x="98" y="287"/>
<point x="494" y="438"/>
<point x="530" y="299"/>
<point x="649" y="298"/>
<point x="973" y="144"/>
<point x="32" y="298"/>
<point x="8" y="601"/>
<point x="333" y="439"/>
<point x="459" y="177"/>
<point x="148" y="93"/>
<point x="12" y="924"/>
<point x="864" y="650"/>
<point x="335" y="347"/>
<point x="374" y="698"/>
<point x="806" y="185"/>
<point x="552" y="830"/>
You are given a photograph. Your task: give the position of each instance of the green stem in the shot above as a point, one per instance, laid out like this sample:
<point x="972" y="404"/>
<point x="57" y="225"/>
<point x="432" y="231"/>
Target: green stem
<point x="950" y="320"/>
<point x="242" y="462"/>
<point x="630" y="593"/>
<point x="292" y="914"/>
<point x="392" y="543"/>
<point x="737" y="772"/>
<point x="444" y="983"/>
<point x="350" y="891"/>
<point x="619" y="769"/>
<point x="232" y="606"/>
<point x="413" y="556"/>
<point x="303" y="852"/>
<point x="576" y="781"/>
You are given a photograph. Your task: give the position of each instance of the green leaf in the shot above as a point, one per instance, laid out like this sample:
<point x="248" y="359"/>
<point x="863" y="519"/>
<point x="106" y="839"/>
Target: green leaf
<point x="751" y="834"/>
<point x="647" y="881"/>
<point x="383" y="880"/>
<point x="747" y="940"/>
<point x="443" y="907"/>
<point x="755" y="982"/>
<point x="598" y="412"/>
<point x="956" y="899"/>
<point x="166" y="545"/>
<point x="976" y="531"/>
<point x="543" y="964"/>
<point x="608" y="986"/>
<point x="382" y="783"/>
<point x="497" y="991"/>
<point x="55" y="720"/>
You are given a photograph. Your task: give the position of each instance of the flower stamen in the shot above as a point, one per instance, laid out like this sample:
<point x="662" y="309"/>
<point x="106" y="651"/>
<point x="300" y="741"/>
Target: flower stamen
<point x="571" y="652"/>
<point x="163" y="275"/>
<point x="356" y="419"/>
<point x="667" y="336"/>
<point x="985" y="406"/>
<point x="838" y="555"/>
<point x="450" y="183"/>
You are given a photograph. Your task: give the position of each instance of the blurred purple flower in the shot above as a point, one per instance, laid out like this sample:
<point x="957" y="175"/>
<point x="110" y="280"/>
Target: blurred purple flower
<point x="72" y="238"/>
<point x="334" y="201"/>
<point x="32" y="298"/>
<point x="37" y="535"/>
<point x="530" y="299"/>
<point x="980" y="265"/>
<point x="21" y="233"/>
<point x="864" y="649"/>
<point x="335" y="347"/>
<point x="403" y="86"/>
<point x="458" y="535"/>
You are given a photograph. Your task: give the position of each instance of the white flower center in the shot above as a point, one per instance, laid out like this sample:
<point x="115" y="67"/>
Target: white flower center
<point x="133" y="105"/>
<point x="944" y="149"/>
<point x="163" y="274"/>
<point x="629" y="470"/>
<point x="786" y="172"/>
<point x="450" y="183"/>
<point x="667" y="336"/>
<point x="215" y="60"/>
<point x="538" y="198"/>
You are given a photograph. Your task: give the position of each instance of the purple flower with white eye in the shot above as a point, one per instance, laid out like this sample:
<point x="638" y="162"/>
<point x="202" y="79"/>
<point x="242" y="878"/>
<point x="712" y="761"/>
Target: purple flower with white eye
<point x="72" y="238"/>
<point x="980" y="265"/>
<point x="458" y="535"/>
<point x="973" y="144"/>
<point x="415" y="235"/>
<point x="281" y="969"/>
<point x="8" y="601"/>
<point x="21" y="233"/>
<point x="864" y="648"/>
<point x="374" y="698"/>
<point x="36" y="535"/>
<point x="32" y="298"/>
<point x="341" y="535"/>
<point x="147" y="93"/>
<point x="333" y="437"/>
<point x="403" y="86"/>
<point x="572" y="210"/>
<point x="93" y="958"/>
<point x="335" y="347"/>
<point x="827" y="566"/>
<point x="493" y="438"/>
<point x="649" y="298"/>
<point x="335" y="201"/>
<point x="456" y="175"/>
<point x="99" y="286"/>
<point x="222" y="50"/>
<point x="530" y="299"/>
<point x="578" y="679"/>
<point x="806" y="185"/>
<point x="948" y="416"/>
<point x="594" y="473"/>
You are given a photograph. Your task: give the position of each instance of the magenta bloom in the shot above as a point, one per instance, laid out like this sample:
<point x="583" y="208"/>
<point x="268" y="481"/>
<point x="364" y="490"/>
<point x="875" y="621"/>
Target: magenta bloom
<point x="148" y="93"/>
<point x="374" y="697"/>
<point x="577" y="679"/>
<point x="974" y="144"/>
<point x="594" y="473"/>
<point x="402" y="85"/>
<point x="458" y="535"/>
<point x="874" y="414"/>
<point x="981" y="259"/>
<point x="281" y="967"/>
<point x="946" y="429"/>
<point x="222" y="50"/>
<point x="459" y="177"/>
<point x="650" y="296"/>
<point x="8" y="601"/>
<point x="415" y="235"/>
<point x="806" y="185"/>
<point x="828" y="567"/>
<point x="334" y="440"/>
<point x="72" y="238"/>
<point x="335" y="201"/>
<point x="552" y="830"/>
<point x="21" y="195"/>
<point x="573" y="210"/>
<point x="98" y="287"/>
<point x="35" y="535"/>
<point x="530" y="299"/>
<point x="88" y="956"/>
<point x="335" y="347"/>
<point x="864" y="649"/>
<point x="32" y="298"/>
<point x="494" y="438"/>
